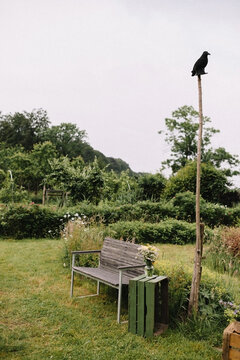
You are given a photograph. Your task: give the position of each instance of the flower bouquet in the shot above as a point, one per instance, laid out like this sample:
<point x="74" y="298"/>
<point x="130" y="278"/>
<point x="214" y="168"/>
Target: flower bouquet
<point x="150" y="254"/>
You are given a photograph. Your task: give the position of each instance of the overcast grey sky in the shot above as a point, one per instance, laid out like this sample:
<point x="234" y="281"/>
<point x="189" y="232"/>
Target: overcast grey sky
<point x="118" y="68"/>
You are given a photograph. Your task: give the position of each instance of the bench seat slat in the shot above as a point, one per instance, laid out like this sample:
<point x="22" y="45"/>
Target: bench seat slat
<point x="106" y="275"/>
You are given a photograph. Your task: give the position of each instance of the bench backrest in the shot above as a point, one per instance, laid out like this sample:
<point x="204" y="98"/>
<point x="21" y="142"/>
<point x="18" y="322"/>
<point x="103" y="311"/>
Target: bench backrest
<point x="116" y="253"/>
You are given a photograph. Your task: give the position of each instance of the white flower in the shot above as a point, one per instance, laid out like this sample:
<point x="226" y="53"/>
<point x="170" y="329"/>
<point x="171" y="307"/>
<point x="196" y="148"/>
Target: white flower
<point x="149" y="252"/>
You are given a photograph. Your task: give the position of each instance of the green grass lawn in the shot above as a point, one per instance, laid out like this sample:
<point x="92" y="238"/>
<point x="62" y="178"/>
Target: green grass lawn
<point x="38" y="320"/>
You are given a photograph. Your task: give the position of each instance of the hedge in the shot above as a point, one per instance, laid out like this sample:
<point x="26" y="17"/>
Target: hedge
<point x="168" y="231"/>
<point x="181" y="207"/>
<point x="30" y="221"/>
<point x="37" y="221"/>
<point x="143" y="210"/>
<point x="211" y="214"/>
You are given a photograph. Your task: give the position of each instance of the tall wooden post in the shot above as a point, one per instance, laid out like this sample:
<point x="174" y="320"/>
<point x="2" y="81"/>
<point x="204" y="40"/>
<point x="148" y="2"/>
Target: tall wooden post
<point x="44" y="194"/>
<point x="194" y="295"/>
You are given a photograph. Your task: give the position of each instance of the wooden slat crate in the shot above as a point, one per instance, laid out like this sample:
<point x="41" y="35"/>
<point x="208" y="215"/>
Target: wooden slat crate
<point x="231" y="342"/>
<point x="148" y="305"/>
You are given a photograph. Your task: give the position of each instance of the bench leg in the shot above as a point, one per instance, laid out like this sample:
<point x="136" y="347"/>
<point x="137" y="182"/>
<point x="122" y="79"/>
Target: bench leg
<point x="119" y="297"/>
<point x="72" y="280"/>
<point x="98" y="287"/>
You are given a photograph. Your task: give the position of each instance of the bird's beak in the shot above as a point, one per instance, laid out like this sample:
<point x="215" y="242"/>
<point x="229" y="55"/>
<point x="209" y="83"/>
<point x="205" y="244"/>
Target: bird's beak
<point x="209" y="54"/>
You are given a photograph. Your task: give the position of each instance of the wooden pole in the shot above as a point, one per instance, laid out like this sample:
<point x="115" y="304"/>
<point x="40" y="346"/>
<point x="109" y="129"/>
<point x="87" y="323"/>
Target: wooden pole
<point x="44" y="194"/>
<point x="194" y="295"/>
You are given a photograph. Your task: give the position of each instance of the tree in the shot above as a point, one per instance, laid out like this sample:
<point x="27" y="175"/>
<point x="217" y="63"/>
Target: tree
<point x="182" y="131"/>
<point x="214" y="183"/>
<point x="20" y="165"/>
<point x="40" y="158"/>
<point x="25" y="129"/>
<point x="67" y="138"/>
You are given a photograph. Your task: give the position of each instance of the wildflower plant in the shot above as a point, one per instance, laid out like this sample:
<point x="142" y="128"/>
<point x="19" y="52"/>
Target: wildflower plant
<point x="231" y="310"/>
<point x="81" y="233"/>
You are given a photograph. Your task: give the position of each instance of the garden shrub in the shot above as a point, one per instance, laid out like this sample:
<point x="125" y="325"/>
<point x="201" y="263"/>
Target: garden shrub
<point x="211" y="214"/>
<point x="151" y="186"/>
<point x="168" y="231"/>
<point x="213" y="182"/>
<point x="17" y="195"/>
<point x="223" y="254"/>
<point x="30" y="221"/>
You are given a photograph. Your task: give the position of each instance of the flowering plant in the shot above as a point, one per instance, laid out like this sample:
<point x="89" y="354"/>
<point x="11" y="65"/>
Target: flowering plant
<point x="231" y="310"/>
<point x="149" y="252"/>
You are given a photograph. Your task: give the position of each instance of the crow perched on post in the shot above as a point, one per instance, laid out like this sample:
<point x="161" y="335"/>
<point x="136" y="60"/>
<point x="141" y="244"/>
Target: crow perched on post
<point x="200" y="64"/>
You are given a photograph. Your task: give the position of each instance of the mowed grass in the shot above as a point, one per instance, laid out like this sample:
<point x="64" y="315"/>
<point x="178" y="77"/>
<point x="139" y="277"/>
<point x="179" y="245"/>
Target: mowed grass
<point x="38" y="320"/>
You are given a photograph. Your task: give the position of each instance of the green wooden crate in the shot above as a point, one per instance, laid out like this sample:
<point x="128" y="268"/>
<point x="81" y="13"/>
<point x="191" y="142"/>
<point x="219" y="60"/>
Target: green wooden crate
<point x="148" y="305"/>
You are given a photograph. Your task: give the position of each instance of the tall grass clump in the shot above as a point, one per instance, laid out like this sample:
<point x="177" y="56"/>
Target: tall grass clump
<point x="210" y="318"/>
<point x="81" y="233"/>
<point x="223" y="254"/>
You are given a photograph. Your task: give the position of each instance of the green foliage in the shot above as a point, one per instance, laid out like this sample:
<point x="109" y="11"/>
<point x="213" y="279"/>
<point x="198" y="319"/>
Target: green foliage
<point x="182" y="135"/>
<point x="111" y="213"/>
<point x="82" y="234"/>
<point x="168" y="231"/>
<point x="87" y="184"/>
<point x="211" y="214"/>
<point x="61" y="174"/>
<point x="213" y="182"/>
<point x="40" y="161"/>
<point x="13" y="194"/>
<point x="181" y="207"/>
<point x="30" y="221"/>
<point x="223" y="254"/>
<point x="23" y="129"/>
<point x="206" y="324"/>
<point x="2" y="177"/>
<point x="151" y="186"/>
<point x="182" y="132"/>
<point x="67" y="138"/>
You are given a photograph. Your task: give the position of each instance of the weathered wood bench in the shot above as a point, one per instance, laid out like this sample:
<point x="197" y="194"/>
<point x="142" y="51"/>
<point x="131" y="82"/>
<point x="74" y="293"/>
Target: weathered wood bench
<point x="119" y="262"/>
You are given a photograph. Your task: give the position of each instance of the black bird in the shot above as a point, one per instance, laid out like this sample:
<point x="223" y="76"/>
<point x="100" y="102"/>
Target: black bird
<point x="200" y="64"/>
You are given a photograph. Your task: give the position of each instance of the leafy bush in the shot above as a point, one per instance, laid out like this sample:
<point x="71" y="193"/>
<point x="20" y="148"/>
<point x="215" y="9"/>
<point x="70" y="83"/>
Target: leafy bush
<point x="224" y="252"/>
<point x="169" y="231"/>
<point x="151" y="186"/>
<point x="9" y="194"/>
<point x="30" y="221"/>
<point x="211" y="214"/>
<point x="213" y="182"/>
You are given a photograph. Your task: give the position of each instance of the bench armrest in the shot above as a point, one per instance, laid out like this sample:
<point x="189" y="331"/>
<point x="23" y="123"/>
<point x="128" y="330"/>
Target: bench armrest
<point x="86" y="252"/>
<point x="128" y="267"/>
<point x="74" y="253"/>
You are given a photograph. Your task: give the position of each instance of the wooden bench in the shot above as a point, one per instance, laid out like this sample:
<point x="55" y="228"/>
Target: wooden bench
<point x="119" y="262"/>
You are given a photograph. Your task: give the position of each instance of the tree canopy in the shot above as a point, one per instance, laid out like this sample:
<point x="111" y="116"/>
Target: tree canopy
<point x="27" y="129"/>
<point x="181" y="135"/>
